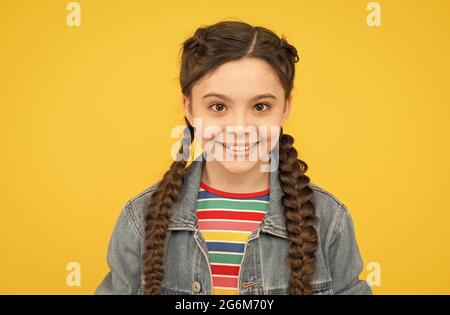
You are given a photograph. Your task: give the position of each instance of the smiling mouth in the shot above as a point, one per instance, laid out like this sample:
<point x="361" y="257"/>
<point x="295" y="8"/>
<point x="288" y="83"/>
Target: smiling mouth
<point x="239" y="148"/>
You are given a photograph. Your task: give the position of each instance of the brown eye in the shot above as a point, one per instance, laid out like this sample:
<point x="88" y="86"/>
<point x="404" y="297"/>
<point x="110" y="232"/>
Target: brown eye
<point x="218" y="107"/>
<point x="260" y="107"/>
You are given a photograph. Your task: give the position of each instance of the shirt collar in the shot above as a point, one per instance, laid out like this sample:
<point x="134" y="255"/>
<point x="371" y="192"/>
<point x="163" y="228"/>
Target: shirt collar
<point x="183" y="212"/>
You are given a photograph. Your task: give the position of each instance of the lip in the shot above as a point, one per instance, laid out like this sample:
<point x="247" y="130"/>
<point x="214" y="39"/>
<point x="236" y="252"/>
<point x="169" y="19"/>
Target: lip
<point x="240" y="153"/>
<point x="238" y="144"/>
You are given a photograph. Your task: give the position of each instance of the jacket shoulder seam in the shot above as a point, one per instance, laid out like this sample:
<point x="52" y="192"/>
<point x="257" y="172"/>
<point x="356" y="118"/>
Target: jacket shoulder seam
<point x="342" y="212"/>
<point x="341" y="205"/>
<point x="150" y="189"/>
<point x="130" y="215"/>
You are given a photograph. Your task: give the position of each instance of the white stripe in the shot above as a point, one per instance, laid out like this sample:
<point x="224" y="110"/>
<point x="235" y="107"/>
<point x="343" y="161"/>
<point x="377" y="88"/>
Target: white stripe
<point x="220" y="252"/>
<point x="232" y="231"/>
<point x="218" y="264"/>
<point x="235" y="210"/>
<point x="228" y="220"/>
<point x="237" y="200"/>
<point x="220" y="241"/>
<point x="231" y="288"/>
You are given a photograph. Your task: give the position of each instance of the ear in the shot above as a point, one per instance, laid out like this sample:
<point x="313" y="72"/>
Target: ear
<point x="287" y="109"/>
<point x="187" y="108"/>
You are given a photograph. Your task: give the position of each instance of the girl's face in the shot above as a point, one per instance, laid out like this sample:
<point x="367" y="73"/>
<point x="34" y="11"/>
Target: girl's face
<point x="237" y="112"/>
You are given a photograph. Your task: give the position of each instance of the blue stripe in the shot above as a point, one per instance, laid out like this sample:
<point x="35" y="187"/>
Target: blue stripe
<point x="225" y="247"/>
<point x="206" y="194"/>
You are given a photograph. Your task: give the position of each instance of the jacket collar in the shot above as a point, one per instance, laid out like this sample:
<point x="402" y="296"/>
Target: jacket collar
<point x="183" y="212"/>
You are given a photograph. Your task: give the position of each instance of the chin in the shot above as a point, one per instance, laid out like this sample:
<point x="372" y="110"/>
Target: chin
<point x="238" y="167"/>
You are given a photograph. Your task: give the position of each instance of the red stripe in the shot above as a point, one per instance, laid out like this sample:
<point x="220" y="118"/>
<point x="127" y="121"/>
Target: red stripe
<point x="225" y="270"/>
<point x="236" y="215"/>
<point x="225" y="282"/>
<point x="234" y="195"/>
<point x="228" y="225"/>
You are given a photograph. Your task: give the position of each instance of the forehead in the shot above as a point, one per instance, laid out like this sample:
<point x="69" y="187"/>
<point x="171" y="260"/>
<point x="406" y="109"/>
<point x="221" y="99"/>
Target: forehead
<point x="240" y="80"/>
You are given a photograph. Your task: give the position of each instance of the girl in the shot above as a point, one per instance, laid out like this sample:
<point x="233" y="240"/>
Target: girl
<point x="242" y="218"/>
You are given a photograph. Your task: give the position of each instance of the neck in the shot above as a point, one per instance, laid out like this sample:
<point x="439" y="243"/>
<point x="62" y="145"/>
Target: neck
<point x="216" y="176"/>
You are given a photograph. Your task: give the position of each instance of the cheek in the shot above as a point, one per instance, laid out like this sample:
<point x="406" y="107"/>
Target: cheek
<point x="267" y="144"/>
<point x="270" y="136"/>
<point x="209" y="133"/>
<point x="274" y="119"/>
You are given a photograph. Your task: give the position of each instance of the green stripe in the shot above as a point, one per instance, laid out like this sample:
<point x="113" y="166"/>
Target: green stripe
<point x="230" y="204"/>
<point x="225" y="258"/>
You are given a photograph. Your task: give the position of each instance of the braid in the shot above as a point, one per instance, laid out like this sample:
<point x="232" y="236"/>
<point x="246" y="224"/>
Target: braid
<point x="300" y="216"/>
<point x="157" y="217"/>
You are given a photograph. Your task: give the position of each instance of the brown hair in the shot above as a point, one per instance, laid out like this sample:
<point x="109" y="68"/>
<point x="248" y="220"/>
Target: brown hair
<point x="202" y="53"/>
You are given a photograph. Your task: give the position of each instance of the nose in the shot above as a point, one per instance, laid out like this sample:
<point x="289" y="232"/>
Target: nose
<point x="238" y="118"/>
<point x="241" y="126"/>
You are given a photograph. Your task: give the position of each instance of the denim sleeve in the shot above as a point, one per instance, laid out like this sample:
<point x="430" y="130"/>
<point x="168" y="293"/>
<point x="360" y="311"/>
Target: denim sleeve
<point x="123" y="257"/>
<point x="346" y="263"/>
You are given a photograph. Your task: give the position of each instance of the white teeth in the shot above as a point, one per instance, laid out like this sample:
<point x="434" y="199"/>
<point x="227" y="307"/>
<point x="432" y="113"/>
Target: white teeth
<point x="240" y="148"/>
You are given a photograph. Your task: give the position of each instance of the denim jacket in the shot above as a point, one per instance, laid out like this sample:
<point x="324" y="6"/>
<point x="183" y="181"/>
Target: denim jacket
<point x="264" y="269"/>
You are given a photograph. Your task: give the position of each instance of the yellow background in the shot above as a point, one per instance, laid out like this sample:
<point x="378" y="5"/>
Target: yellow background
<point x="86" y="115"/>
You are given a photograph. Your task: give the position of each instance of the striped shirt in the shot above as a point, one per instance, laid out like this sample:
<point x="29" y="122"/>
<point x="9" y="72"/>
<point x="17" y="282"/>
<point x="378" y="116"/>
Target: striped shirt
<point x="226" y="221"/>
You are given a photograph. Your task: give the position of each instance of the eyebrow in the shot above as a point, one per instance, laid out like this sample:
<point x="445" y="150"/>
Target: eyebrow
<point x="257" y="97"/>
